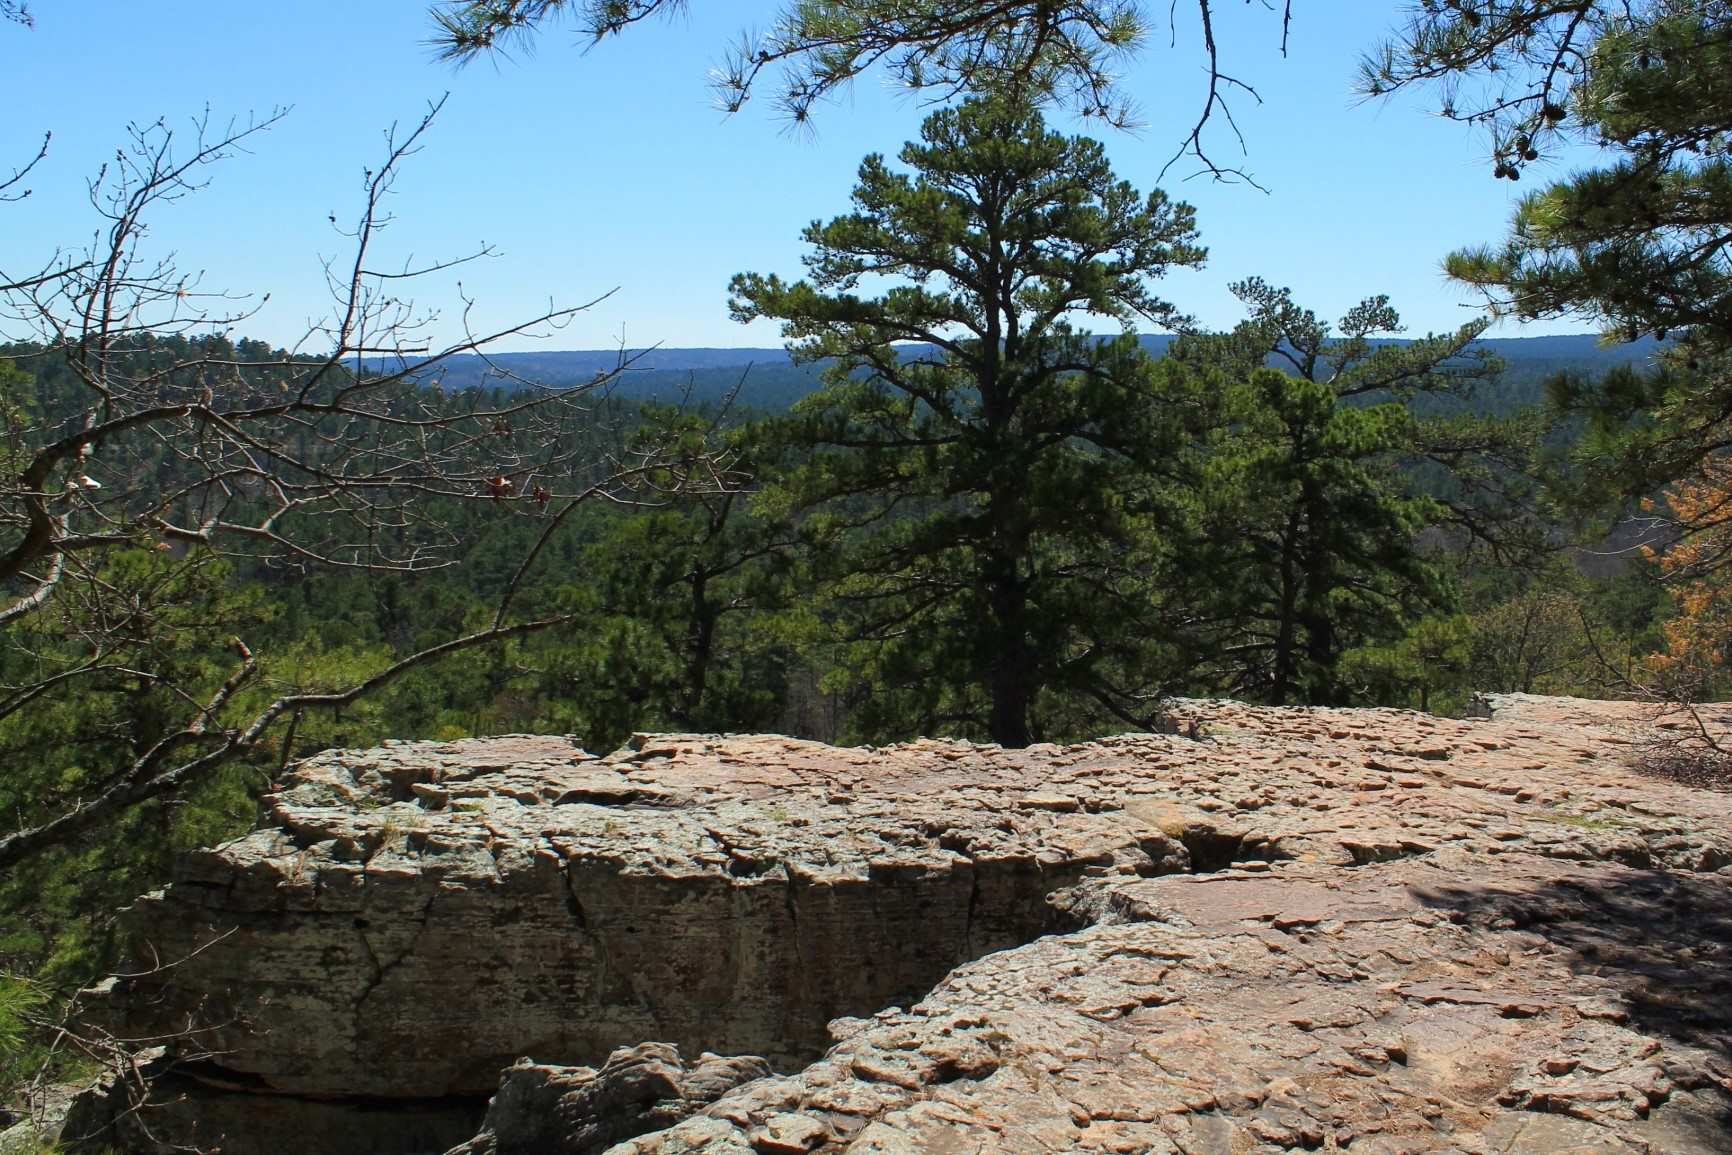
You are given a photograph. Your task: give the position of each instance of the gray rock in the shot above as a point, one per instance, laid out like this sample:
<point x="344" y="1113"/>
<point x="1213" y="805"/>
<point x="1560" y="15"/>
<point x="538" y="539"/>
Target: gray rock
<point x="546" y="1110"/>
<point x="1409" y="1017"/>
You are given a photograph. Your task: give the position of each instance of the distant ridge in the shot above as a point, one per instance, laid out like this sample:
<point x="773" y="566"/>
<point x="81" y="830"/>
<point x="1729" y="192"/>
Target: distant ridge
<point x="708" y="375"/>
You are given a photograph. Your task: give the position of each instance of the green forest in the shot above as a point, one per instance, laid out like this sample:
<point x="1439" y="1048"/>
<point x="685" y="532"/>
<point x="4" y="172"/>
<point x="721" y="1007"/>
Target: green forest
<point x="1002" y="489"/>
<point x="1037" y="546"/>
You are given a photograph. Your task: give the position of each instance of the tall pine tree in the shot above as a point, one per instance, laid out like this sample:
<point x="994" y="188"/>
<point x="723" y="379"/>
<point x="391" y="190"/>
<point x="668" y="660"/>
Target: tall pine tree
<point x="1641" y="244"/>
<point x="981" y="473"/>
<point x="1310" y="538"/>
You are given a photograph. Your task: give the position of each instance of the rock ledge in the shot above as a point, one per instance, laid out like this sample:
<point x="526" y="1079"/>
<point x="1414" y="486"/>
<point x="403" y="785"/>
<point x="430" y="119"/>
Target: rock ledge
<point x="1359" y="930"/>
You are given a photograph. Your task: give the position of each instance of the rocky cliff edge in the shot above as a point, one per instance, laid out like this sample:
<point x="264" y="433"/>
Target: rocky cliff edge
<point x="1361" y="930"/>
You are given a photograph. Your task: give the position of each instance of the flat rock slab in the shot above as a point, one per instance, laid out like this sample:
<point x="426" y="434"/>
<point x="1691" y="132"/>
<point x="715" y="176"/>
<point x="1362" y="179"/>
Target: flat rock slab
<point x="1225" y="917"/>
<point x="1577" y="1008"/>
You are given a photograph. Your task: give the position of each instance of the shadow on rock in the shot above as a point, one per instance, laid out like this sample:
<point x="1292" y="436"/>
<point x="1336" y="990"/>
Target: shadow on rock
<point x="1660" y="943"/>
<point x="550" y="1110"/>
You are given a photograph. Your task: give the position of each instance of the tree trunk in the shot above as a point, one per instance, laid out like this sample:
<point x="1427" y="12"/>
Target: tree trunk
<point x="1319" y="650"/>
<point x="701" y="643"/>
<point x="1009" y="683"/>
<point x="1281" y="679"/>
<point x="1010" y="675"/>
<point x="1318" y="620"/>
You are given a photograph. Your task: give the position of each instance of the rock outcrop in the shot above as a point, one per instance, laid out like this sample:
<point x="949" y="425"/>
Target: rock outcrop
<point x="1405" y="1008"/>
<point x="547" y="1110"/>
<point x="1300" y="929"/>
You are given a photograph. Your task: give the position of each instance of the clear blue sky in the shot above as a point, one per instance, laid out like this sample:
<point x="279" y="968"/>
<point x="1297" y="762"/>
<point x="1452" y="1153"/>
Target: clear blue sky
<point x="611" y="168"/>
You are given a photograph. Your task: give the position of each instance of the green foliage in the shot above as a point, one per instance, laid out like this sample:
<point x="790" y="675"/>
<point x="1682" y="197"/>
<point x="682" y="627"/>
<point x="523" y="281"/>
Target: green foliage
<point x="1431" y="657"/>
<point x="687" y="625"/>
<point x="1544" y="629"/>
<point x="982" y="507"/>
<point x="1060" y="48"/>
<point x="31" y="1053"/>
<point x="20" y="998"/>
<point x="1310" y="541"/>
<point x="1315" y="543"/>
<point x="1640" y="243"/>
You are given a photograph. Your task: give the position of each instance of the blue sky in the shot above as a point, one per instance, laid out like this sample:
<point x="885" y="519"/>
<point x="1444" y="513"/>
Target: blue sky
<point x="610" y="169"/>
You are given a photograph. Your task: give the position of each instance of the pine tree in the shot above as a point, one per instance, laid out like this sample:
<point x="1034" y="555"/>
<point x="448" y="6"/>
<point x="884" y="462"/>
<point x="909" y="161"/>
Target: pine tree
<point x="1310" y="543"/>
<point x="1641" y="244"/>
<point x="1068" y="51"/>
<point x="981" y="474"/>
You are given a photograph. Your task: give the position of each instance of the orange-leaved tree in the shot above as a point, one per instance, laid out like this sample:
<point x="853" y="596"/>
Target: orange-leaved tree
<point x="1693" y="663"/>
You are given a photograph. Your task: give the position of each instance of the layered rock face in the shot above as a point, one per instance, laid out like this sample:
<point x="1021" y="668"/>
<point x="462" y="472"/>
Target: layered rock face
<point x="1299" y="929"/>
<point x="1401" y="1009"/>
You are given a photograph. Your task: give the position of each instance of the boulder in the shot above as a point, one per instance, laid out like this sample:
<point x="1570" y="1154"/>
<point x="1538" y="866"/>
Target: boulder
<point x="548" y="1110"/>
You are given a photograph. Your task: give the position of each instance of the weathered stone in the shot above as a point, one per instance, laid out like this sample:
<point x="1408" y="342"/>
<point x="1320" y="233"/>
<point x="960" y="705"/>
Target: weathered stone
<point x="1256" y="947"/>
<point x="789" y="1135"/>
<point x="1123" y="1037"/>
<point x="544" y="1110"/>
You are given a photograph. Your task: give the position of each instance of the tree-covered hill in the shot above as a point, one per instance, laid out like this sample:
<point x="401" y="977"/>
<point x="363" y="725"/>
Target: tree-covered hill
<point x="768" y="381"/>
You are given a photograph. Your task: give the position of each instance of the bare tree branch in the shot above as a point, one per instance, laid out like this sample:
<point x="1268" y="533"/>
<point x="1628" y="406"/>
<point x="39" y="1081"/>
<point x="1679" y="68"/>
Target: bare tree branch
<point x="344" y="452"/>
<point x="1070" y="51"/>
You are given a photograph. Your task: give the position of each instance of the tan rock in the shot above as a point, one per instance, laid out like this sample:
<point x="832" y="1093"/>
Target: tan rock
<point x="1404" y="971"/>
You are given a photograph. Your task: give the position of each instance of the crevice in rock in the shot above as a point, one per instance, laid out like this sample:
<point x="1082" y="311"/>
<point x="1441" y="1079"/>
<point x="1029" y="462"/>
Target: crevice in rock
<point x="213" y="1074"/>
<point x="206" y="1107"/>
<point x="969" y="945"/>
<point x="1213" y="850"/>
<point x="613" y="982"/>
<point x="1368" y="852"/>
<point x="625" y="798"/>
<point x="573" y="905"/>
<point x="382" y="969"/>
<point x="791" y="903"/>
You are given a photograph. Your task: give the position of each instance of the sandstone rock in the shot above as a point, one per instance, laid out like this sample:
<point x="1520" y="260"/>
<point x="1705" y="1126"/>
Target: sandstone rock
<point x="786" y="1134"/>
<point x="545" y="1110"/>
<point x="57" y="1109"/>
<point x="1247" y="946"/>
<point x="1210" y="1030"/>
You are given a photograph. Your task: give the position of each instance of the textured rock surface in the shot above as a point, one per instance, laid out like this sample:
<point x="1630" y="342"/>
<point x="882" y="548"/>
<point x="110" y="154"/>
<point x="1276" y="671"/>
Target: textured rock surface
<point x="546" y="1110"/>
<point x="1395" y="1009"/>
<point x="1306" y="929"/>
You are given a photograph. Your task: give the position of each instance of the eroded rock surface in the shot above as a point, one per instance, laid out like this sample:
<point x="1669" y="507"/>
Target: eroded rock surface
<point x="1305" y="929"/>
<point x="549" y="1110"/>
<point x="1395" y="1009"/>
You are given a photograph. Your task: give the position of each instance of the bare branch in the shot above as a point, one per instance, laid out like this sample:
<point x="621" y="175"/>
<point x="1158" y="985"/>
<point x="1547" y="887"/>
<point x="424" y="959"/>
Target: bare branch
<point x="1069" y="51"/>
<point x="164" y="440"/>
